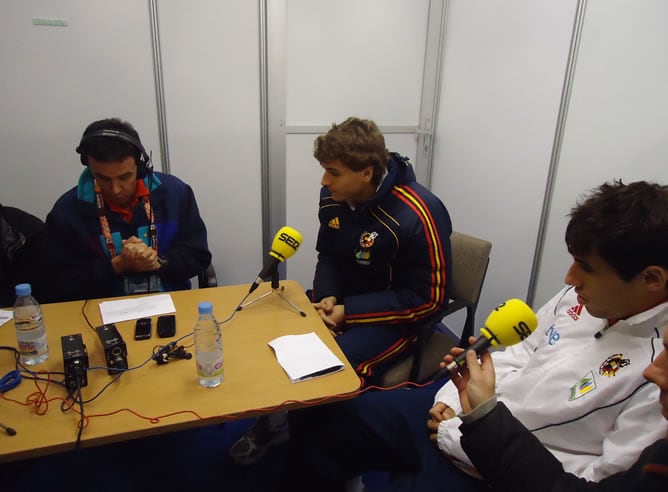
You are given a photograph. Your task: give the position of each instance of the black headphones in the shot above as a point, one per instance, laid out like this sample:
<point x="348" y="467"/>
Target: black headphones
<point x="144" y="165"/>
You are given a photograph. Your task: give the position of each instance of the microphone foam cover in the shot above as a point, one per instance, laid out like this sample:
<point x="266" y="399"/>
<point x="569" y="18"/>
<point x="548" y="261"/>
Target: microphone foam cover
<point x="509" y="323"/>
<point x="285" y="243"/>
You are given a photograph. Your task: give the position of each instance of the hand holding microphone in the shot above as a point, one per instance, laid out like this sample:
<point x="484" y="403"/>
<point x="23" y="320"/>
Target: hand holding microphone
<point x="477" y="382"/>
<point x="285" y="244"/>
<point x="511" y="322"/>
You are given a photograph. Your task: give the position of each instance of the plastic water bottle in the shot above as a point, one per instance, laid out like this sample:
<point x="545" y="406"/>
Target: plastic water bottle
<point x="208" y="347"/>
<point x="30" y="329"/>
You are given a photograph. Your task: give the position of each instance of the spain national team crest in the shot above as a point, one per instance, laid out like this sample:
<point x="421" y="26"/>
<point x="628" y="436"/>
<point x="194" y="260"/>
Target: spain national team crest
<point x="582" y="387"/>
<point x="363" y="257"/>
<point x="612" y="365"/>
<point x="367" y="239"/>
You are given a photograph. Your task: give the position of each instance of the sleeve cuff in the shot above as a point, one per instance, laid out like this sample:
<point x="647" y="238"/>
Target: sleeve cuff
<point x="162" y="261"/>
<point x="479" y="412"/>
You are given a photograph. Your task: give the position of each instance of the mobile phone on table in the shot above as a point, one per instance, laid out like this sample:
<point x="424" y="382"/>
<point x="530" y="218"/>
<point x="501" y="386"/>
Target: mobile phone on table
<point x="167" y="325"/>
<point x="143" y="329"/>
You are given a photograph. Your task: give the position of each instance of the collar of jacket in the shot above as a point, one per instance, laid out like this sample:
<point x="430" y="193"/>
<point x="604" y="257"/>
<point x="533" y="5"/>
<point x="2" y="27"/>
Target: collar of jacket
<point x="643" y="324"/>
<point x="86" y="185"/>
<point x="399" y="172"/>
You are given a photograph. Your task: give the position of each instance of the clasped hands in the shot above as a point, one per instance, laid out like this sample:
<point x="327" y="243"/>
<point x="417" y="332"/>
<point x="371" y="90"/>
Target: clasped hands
<point x="332" y="314"/>
<point x="135" y="256"/>
<point x="475" y="383"/>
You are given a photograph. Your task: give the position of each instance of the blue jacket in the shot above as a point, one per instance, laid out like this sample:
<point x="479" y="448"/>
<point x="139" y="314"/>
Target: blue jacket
<point x="78" y="260"/>
<point x="388" y="261"/>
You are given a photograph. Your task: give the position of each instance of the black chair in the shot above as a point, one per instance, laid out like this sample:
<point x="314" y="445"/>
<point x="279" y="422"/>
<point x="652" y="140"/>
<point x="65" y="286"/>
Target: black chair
<point x="21" y="239"/>
<point x="207" y="278"/>
<point x="470" y="258"/>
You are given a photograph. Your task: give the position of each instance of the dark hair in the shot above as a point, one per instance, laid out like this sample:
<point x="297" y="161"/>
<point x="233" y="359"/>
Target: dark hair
<point x="357" y="143"/>
<point x="107" y="149"/>
<point x="626" y="225"/>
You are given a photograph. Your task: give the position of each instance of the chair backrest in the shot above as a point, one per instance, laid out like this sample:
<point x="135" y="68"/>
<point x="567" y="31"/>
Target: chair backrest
<point x="470" y="257"/>
<point x="207" y="278"/>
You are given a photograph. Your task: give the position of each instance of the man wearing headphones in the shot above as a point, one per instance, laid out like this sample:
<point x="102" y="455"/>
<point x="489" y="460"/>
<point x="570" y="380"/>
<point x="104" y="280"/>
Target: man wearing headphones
<point x="123" y="229"/>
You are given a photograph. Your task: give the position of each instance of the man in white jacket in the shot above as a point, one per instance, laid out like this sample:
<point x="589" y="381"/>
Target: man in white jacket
<point x="576" y="382"/>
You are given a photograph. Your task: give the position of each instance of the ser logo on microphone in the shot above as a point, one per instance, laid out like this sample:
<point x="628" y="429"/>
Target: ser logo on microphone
<point x="522" y="329"/>
<point x="289" y="240"/>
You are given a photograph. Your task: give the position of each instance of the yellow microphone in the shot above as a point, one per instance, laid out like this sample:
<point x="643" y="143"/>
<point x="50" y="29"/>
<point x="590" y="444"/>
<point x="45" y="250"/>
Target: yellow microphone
<point x="285" y="244"/>
<point x="511" y="322"/>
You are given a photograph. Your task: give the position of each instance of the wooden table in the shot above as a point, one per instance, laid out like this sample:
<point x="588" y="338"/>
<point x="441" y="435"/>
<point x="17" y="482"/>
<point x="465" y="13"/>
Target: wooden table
<point x="254" y="381"/>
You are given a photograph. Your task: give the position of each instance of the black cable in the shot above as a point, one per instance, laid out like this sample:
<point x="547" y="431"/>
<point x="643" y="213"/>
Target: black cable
<point x="26" y="372"/>
<point x="16" y="353"/>
<point x="10" y="431"/>
<point x="83" y="313"/>
<point x="170" y="347"/>
<point x="113" y="380"/>
<point x="78" y="378"/>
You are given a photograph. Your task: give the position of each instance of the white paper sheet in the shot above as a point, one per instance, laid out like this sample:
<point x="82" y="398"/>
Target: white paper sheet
<point x="5" y="316"/>
<point x="140" y="307"/>
<point x="305" y="356"/>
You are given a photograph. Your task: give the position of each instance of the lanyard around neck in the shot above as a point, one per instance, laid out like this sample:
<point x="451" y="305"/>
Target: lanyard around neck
<point x="106" y="229"/>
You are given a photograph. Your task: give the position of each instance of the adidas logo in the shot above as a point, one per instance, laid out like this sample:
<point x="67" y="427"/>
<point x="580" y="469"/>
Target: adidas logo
<point x="575" y="311"/>
<point x="334" y="223"/>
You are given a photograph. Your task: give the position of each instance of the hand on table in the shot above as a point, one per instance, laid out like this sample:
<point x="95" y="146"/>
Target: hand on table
<point x="332" y="314"/>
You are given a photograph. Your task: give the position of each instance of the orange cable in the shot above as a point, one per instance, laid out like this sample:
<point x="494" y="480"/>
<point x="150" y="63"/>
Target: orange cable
<point x="40" y="401"/>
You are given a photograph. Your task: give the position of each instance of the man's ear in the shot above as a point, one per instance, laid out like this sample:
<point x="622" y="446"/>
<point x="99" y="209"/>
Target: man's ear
<point x="655" y="278"/>
<point x="368" y="173"/>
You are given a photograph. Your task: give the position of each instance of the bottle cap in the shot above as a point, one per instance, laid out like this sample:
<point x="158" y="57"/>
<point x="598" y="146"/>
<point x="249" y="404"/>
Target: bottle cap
<point x="23" y="290"/>
<point x="205" y="307"/>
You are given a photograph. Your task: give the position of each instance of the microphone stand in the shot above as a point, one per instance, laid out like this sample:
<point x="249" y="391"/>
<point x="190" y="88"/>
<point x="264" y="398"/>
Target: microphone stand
<point x="276" y="288"/>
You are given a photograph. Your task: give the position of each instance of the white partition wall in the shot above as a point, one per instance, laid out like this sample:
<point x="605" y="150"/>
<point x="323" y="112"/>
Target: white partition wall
<point x="618" y="117"/>
<point x="57" y="79"/>
<point x="503" y="69"/>
<point x="210" y="53"/>
<point x="349" y="57"/>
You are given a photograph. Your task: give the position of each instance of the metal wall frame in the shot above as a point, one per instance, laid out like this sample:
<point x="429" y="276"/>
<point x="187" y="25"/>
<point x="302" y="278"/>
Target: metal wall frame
<point x="272" y="108"/>
<point x="159" y="86"/>
<point x="431" y="90"/>
<point x="567" y="88"/>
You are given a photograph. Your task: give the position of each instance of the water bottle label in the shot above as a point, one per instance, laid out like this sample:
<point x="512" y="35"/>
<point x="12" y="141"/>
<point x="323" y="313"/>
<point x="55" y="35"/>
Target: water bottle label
<point x="27" y="324"/>
<point x="210" y="369"/>
<point x="33" y="347"/>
